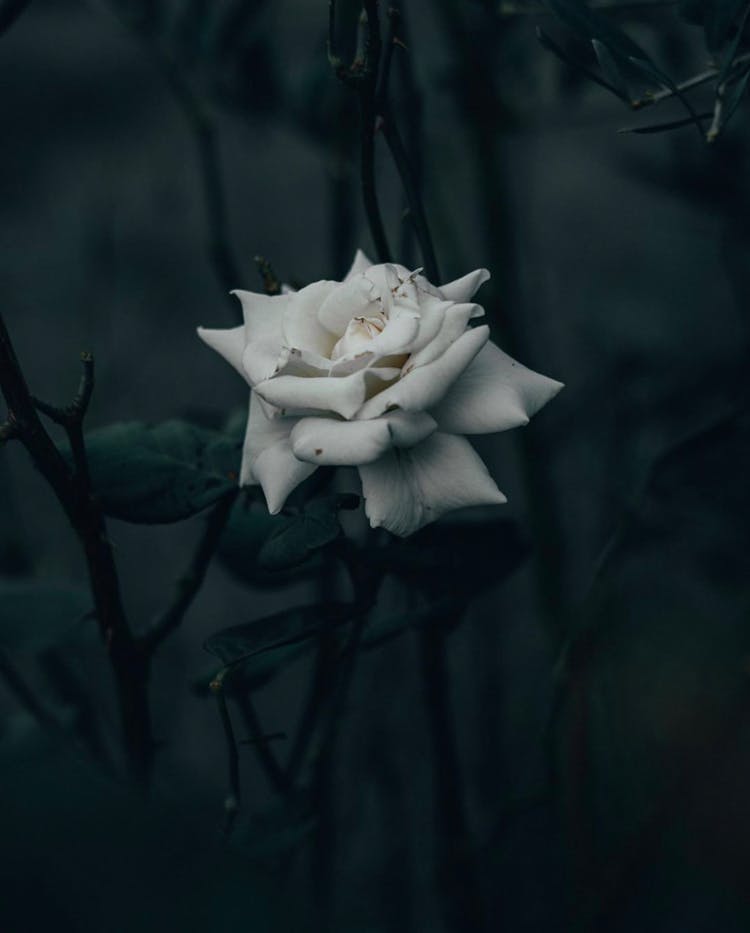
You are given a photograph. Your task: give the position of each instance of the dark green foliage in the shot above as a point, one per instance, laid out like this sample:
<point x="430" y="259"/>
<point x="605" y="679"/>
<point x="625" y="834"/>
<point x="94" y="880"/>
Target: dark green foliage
<point x="83" y="854"/>
<point x="269" y="550"/>
<point x="155" y="474"/>
<point x="276" y="631"/>
<point x="313" y="528"/>
<point x="36" y="616"/>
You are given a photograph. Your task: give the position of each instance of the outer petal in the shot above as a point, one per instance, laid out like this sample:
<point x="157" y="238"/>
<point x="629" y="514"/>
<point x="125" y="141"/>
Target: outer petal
<point x="325" y="441"/>
<point x="300" y="324"/>
<point x="407" y="489"/>
<point x="267" y="457"/>
<point x="263" y="314"/>
<point x="493" y="394"/>
<point x="423" y="388"/>
<point x="455" y="321"/>
<point x="229" y="343"/>
<point x="465" y="288"/>
<point x="343" y="395"/>
<point x="360" y="264"/>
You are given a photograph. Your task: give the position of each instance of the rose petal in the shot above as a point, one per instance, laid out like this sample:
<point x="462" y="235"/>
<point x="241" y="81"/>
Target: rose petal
<point x="263" y="314"/>
<point x="398" y="334"/>
<point x="267" y="457"/>
<point x="360" y="264"/>
<point x="493" y="394"/>
<point x="356" y="297"/>
<point x="261" y="360"/>
<point x="424" y="387"/>
<point x="300" y="324"/>
<point x="455" y="321"/>
<point x="343" y="395"/>
<point x="324" y="441"/>
<point x="279" y="473"/>
<point x="228" y="343"/>
<point x="261" y="432"/>
<point x="406" y="489"/>
<point x="465" y="288"/>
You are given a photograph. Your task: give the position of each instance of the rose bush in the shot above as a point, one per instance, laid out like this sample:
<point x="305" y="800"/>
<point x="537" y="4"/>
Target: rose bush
<point x="382" y="371"/>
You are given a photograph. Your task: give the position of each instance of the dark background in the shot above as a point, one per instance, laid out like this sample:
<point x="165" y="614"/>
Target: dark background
<point x="600" y="693"/>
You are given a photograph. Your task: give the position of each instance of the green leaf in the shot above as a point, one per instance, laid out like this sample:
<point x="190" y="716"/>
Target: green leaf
<point x="157" y="474"/>
<point x="315" y="527"/>
<point x="36" y="616"/>
<point x="611" y="70"/>
<point x="249" y="527"/>
<point x="288" y="627"/>
<point x="254" y="672"/>
<point x="552" y="46"/>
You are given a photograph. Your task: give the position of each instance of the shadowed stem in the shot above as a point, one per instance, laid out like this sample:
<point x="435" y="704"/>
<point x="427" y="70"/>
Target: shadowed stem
<point x="408" y="173"/>
<point x="270" y="766"/>
<point x="129" y="665"/>
<point x="455" y="869"/>
<point x="362" y="75"/>
<point x="233" y="797"/>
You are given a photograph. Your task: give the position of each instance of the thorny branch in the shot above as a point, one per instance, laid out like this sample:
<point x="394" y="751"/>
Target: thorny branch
<point x="71" y="487"/>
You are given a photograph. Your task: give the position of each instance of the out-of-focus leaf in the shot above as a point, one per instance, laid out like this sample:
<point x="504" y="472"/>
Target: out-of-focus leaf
<point x="589" y="24"/>
<point x="278" y="630"/>
<point x="553" y="47"/>
<point x="10" y="10"/>
<point x="35" y="616"/>
<point x="655" y="673"/>
<point x="299" y="537"/>
<point x="156" y="474"/>
<point x="720" y="15"/>
<point x="610" y="69"/>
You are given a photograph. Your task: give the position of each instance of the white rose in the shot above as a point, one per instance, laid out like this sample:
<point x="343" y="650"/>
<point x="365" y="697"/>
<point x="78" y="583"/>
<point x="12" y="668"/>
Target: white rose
<point x="383" y="372"/>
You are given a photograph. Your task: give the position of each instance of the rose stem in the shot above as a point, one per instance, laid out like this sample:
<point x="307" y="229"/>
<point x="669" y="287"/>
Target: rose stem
<point x="72" y="489"/>
<point x="409" y="177"/>
<point x="362" y="76"/>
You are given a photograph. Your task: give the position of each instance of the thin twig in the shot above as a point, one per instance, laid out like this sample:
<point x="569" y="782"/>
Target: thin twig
<point x="271" y="283"/>
<point x="408" y="176"/>
<point x="191" y="581"/>
<point x="233" y="798"/>
<point x="259" y="740"/>
<point x="362" y="75"/>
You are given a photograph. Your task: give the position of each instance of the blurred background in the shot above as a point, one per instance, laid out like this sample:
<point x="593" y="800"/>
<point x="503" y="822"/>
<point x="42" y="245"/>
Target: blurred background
<point x="599" y="694"/>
